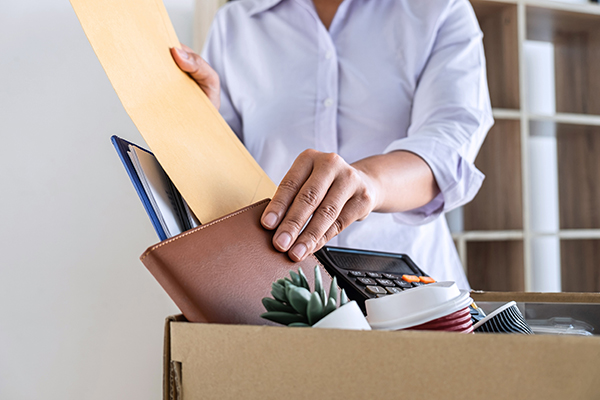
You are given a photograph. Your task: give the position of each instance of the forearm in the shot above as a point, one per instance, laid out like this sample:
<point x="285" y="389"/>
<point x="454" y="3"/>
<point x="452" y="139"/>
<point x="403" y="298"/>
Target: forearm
<point x="403" y="180"/>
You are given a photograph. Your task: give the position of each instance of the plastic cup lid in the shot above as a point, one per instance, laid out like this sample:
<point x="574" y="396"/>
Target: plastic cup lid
<point x="416" y="306"/>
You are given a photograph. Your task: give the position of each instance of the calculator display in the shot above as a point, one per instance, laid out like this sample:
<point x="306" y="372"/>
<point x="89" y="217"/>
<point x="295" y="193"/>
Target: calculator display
<point x="369" y="262"/>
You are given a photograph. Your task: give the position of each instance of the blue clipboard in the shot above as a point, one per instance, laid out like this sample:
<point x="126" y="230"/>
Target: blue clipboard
<point x="122" y="147"/>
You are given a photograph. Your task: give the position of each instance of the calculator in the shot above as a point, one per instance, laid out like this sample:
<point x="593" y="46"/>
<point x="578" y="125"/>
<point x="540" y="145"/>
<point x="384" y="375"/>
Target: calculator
<point x="367" y="274"/>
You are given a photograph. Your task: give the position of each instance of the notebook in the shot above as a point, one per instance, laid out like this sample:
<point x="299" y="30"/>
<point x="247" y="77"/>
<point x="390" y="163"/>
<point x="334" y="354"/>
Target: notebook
<point x="168" y="211"/>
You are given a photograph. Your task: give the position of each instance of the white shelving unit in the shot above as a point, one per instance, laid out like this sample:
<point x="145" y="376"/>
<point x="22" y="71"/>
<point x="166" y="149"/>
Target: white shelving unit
<point x="496" y="241"/>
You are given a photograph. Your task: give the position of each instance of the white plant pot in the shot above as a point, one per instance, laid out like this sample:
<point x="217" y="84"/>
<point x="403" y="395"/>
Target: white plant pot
<point x="348" y="316"/>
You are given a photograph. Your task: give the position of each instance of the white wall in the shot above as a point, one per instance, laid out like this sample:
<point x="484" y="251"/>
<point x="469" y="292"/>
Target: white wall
<point x="80" y="317"/>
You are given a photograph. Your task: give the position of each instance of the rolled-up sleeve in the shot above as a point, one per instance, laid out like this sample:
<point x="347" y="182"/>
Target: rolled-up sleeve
<point x="451" y="114"/>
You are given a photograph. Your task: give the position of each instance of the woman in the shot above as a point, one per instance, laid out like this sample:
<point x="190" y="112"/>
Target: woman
<point x="375" y="108"/>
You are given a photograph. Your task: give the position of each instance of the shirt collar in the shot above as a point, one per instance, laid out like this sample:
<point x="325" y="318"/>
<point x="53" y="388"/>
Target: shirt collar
<point x="264" y="5"/>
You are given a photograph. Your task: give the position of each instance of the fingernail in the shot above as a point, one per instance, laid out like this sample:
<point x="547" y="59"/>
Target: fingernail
<point x="284" y="240"/>
<point x="182" y="53"/>
<point x="270" y="220"/>
<point x="299" y="250"/>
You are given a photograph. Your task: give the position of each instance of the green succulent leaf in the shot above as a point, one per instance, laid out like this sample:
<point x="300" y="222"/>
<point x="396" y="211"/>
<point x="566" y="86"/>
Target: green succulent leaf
<point x="283" y="317"/>
<point x="282" y="281"/>
<point x="330" y="307"/>
<point x="343" y="298"/>
<point x="295" y="278"/>
<point x="333" y="289"/>
<point x="299" y="325"/>
<point x="278" y="292"/>
<point x="274" y="305"/>
<point x="299" y="298"/>
<point x="288" y="287"/>
<point x="303" y="279"/>
<point x="319" y="284"/>
<point x="314" y="311"/>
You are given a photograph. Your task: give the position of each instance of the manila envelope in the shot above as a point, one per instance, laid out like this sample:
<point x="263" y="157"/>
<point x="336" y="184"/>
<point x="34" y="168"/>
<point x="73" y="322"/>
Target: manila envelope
<point x="203" y="157"/>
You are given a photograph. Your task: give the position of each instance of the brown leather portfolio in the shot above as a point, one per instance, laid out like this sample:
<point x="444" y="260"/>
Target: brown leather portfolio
<point x="219" y="272"/>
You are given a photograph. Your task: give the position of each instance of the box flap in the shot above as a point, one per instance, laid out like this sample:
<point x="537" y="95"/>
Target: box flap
<point x="167" y="355"/>
<point x="532" y="297"/>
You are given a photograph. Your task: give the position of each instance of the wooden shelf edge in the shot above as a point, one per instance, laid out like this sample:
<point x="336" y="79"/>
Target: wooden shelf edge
<point x="566" y="118"/>
<point x="514" y="2"/>
<point x="581" y="8"/>
<point x="579" y="234"/>
<point x="505" y="113"/>
<point x="476" y="236"/>
<point x="473" y="236"/>
<point x="536" y="297"/>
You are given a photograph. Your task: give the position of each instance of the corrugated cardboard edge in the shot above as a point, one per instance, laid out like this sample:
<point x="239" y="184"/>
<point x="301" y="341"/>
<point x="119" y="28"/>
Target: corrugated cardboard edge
<point x="533" y="297"/>
<point x="251" y="362"/>
<point x="167" y="387"/>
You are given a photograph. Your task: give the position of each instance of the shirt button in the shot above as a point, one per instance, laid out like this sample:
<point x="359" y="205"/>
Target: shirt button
<point x="328" y="103"/>
<point x="329" y="54"/>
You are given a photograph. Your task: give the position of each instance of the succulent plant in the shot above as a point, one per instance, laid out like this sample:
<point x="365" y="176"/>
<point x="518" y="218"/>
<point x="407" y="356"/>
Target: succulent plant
<point x="293" y="304"/>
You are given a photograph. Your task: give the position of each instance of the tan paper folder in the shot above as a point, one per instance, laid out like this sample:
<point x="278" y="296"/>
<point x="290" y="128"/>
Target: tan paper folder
<point x="203" y="157"/>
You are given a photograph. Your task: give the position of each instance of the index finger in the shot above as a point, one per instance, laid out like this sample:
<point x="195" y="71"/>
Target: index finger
<point x="287" y="191"/>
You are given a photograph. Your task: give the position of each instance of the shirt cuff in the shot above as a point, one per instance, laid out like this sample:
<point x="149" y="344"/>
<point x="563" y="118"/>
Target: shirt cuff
<point x="458" y="179"/>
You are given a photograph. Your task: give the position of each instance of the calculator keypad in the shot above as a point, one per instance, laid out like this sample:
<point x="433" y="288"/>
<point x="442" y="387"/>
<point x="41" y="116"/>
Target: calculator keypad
<point x="381" y="284"/>
<point x="356" y="273"/>
<point x="366" y="281"/>
<point x="403" y="284"/>
<point x="376" y="290"/>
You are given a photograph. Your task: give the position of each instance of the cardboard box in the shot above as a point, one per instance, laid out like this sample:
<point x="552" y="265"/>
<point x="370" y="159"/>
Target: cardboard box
<point x="210" y="361"/>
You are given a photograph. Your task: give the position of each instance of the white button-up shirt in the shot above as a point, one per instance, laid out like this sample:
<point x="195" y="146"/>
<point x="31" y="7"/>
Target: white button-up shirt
<point x="388" y="75"/>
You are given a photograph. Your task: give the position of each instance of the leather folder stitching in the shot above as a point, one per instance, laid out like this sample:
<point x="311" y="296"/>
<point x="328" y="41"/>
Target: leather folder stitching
<point x="201" y="227"/>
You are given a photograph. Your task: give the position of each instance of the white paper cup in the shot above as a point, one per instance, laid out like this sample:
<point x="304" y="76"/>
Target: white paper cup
<point x="416" y="306"/>
<point x="348" y="316"/>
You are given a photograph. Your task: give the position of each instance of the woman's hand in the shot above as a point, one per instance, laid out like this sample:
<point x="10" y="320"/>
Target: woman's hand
<point x="336" y="194"/>
<point x="324" y="186"/>
<point x="200" y="71"/>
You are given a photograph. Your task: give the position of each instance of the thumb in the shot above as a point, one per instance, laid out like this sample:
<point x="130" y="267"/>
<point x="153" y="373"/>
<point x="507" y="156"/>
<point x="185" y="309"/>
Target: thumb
<point x="200" y="71"/>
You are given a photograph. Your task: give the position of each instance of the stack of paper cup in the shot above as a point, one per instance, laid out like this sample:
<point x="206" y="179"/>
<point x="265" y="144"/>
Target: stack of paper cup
<point x="505" y="319"/>
<point x="438" y="306"/>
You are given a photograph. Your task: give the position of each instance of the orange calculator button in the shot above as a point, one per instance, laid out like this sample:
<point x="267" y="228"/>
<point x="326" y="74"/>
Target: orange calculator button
<point x="426" y="279"/>
<point x="410" y="278"/>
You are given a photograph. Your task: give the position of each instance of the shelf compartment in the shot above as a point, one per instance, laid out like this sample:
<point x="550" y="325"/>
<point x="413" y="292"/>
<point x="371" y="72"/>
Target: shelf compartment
<point x="579" y="265"/>
<point x="498" y="21"/>
<point x="578" y="166"/>
<point x="496" y="265"/>
<point x="498" y="205"/>
<point x="576" y="39"/>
